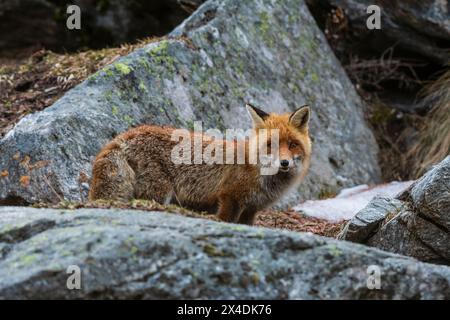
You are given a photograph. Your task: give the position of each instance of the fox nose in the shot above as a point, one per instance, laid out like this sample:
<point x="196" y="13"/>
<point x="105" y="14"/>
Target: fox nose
<point x="284" y="163"/>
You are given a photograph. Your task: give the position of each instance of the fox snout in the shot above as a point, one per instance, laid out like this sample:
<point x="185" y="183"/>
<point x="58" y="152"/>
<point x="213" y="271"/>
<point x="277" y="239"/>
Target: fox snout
<point x="281" y="159"/>
<point x="287" y="158"/>
<point x="286" y="164"/>
<point x="280" y="164"/>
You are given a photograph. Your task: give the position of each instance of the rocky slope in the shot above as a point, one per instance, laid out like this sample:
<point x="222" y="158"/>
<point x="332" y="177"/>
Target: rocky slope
<point x="415" y="223"/>
<point x="132" y="254"/>
<point x="226" y="53"/>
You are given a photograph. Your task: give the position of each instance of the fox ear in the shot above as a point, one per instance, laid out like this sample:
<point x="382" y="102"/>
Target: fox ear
<point x="300" y="118"/>
<point x="258" y="116"/>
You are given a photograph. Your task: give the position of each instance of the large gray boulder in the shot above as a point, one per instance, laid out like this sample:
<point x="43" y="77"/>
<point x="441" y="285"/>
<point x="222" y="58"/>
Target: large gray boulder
<point x="227" y="53"/>
<point x="416" y="223"/>
<point x="135" y="254"/>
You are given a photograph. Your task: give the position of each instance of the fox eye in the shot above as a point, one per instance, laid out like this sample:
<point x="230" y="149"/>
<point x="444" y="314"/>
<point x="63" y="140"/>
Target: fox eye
<point x="293" y="145"/>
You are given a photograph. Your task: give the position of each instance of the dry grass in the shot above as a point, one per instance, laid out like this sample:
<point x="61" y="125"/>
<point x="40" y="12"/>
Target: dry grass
<point x="371" y="73"/>
<point x="389" y="132"/>
<point x="434" y="142"/>
<point x="398" y="157"/>
<point x="285" y="220"/>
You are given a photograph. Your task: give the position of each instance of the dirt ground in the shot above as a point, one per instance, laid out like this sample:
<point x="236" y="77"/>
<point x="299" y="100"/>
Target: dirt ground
<point x="294" y="221"/>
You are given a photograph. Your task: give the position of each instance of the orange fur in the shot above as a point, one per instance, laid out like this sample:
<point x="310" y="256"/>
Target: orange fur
<point x="137" y="164"/>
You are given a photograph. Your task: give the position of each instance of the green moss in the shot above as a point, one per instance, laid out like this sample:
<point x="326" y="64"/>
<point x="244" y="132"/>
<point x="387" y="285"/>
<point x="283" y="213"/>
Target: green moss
<point x="94" y="77"/>
<point x="129" y="120"/>
<point x="314" y="77"/>
<point x="264" y="19"/>
<point x="162" y="47"/>
<point x="308" y="42"/>
<point x="109" y="73"/>
<point x="6" y="228"/>
<point x="334" y="251"/>
<point x="142" y="87"/>
<point x="260" y="234"/>
<point x="203" y="87"/>
<point x="109" y="96"/>
<point x="28" y="259"/>
<point x="295" y="88"/>
<point x="264" y="28"/>
<point x="301" y="74"/>
<point x="213" y="251"/>
<point x="292" y="19"/>
<point x="240" y="67"/>
<point x="238" y="228"/>
<point x="66" y="253"/>
<point x="160" y="55"/>
<point x="237" y="92"/>
<point x="69" y="205"/>
<point x="144" y="64"/>
<point x="123" y="68"/>
<point x="134" y="250"/>
<point x="115" y="110"/>
<point x="55" y="266"/>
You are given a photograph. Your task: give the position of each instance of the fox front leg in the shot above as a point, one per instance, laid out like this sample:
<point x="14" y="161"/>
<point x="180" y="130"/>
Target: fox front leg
<point x="229" y="209"/>
<point x="248" y="216"/>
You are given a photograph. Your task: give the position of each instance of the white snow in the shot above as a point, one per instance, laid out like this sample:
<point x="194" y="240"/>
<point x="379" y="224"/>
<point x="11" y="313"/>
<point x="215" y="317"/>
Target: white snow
<point x="349" y="201"/>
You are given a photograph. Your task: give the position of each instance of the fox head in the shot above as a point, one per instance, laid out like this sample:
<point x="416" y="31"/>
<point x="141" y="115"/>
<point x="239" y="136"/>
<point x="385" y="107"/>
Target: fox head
<point x="292" y="153"/>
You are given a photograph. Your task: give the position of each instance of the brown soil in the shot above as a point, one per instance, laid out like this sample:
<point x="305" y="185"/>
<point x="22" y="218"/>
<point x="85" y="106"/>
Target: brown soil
<point x="294" y="221"/>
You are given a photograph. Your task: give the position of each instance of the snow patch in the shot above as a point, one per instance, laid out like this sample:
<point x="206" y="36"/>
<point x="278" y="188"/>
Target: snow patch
<point x="349" y="201"/>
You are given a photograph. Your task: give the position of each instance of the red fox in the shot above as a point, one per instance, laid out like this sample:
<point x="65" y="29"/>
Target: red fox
<point x="139" y="164"/>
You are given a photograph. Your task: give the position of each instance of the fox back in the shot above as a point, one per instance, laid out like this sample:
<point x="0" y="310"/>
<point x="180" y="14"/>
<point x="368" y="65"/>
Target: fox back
<point x="140" y="164"/>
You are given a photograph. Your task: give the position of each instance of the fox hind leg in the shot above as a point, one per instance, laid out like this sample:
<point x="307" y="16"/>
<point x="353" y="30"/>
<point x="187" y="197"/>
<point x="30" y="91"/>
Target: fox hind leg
<point x="112" y="178"/>
<point x="154" y="184"/>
